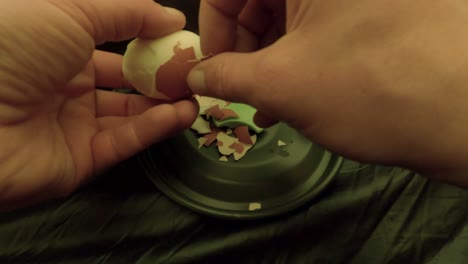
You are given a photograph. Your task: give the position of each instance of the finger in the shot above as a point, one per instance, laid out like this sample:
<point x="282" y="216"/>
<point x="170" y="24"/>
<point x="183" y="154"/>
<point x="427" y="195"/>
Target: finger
<point x="24" y="200"/>
<point x="278" y="11"/>
<point x="108" y="122"/>
<point x="218" y="24"/>
<point x="115" y="144"/>
<point x="255" y="17"/>
<point x="264" y="120"/>
<point x="235" y="77"/>
<point x="258" y="20"/>
<point x="82" y="83"/>
<point x="119" y="20"/>
<point x="111" y="122"/>
<point x="246" y="41"/>
<point x="108" y="70"/>
<point x="121" y="104"/>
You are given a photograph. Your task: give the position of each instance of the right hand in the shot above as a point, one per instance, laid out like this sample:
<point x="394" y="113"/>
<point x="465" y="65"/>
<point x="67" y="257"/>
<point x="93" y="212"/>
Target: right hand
<point x="377" y="81"/>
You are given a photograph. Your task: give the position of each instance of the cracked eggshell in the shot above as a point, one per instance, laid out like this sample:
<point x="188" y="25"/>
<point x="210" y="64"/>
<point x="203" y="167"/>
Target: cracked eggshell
<point x="158" y="67"/>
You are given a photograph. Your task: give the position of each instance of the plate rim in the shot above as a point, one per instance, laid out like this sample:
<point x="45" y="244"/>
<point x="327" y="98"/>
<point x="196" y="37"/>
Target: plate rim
<point x="331" y="170"/>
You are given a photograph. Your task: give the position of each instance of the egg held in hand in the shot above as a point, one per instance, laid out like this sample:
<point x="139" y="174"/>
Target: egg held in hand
<point x="158" y="68"/>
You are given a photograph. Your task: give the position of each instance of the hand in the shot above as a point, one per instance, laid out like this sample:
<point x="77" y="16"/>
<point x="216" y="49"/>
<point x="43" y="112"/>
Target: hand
<point x="378" y="81"/>
<point x="56" y="129"/>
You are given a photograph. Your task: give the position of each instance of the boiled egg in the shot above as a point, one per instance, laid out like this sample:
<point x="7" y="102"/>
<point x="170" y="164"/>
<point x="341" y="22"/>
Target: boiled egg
<point x="158" y="68"/>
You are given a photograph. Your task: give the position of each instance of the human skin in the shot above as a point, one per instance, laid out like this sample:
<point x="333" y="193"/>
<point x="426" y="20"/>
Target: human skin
<point x="56" y="129"/>
<point x="377" y="81"/>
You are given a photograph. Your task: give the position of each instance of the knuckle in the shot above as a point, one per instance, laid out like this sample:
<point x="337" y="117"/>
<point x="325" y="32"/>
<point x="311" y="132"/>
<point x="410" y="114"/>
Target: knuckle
<point x="221" y="74"/>
<point x="130" y="106"/>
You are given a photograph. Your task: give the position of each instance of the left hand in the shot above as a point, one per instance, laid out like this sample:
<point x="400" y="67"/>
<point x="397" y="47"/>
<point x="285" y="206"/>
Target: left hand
<point x="56" y="129"/>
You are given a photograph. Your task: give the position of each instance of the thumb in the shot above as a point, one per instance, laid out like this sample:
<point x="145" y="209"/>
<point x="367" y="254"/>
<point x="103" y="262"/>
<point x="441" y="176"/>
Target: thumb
<point x="229" y="76"/>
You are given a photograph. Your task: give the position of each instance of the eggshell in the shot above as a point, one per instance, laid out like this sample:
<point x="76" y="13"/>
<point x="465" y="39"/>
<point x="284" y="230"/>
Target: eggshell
<point x="158" y="67"/>
<point x="201" y="126"/>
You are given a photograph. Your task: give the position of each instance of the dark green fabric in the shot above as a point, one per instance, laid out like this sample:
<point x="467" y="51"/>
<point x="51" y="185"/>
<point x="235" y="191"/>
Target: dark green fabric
<point x="376" y="215"/>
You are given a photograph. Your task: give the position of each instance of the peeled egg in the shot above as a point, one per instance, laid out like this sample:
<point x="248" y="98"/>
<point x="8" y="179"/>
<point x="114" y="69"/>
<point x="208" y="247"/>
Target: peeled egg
<point x="158" y="68"/>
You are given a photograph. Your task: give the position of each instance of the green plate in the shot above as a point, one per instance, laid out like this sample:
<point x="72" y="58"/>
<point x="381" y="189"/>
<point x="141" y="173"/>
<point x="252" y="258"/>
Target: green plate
<point x="268" y="181"/>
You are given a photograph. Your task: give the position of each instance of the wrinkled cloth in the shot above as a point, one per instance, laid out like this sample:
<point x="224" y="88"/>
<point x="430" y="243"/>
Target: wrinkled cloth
<point x="374" y="215"/>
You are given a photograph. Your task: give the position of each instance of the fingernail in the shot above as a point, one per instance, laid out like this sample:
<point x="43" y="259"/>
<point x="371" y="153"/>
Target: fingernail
<point x="196" y="81"/>
<point x="173" y="11"/>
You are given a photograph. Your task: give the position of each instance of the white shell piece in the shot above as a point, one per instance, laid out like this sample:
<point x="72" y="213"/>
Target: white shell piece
<point x="201" y="126"/>
<point x="255" y="206"/>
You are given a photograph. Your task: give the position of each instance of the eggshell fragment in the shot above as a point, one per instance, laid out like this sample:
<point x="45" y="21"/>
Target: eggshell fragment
<point x="253" y="138"/>
<point x="215" y="112"/>
<point x="173" y="73"/>
<point x="210" y="138"/>
<point x="158" y="67"/>
<point x="281" y="143"/>
<point x="201" y="141"/>
<point x="255" y="206"/>
<point x="228" y="113"/>
<point x="224" y="142"/>
<point x="238" y="147"/>
<point x="201" y="125"/>
<point x="247" y="147"/>
<point x="235" y="140"/>
<point x="242" y="133"/>
<point x="206" y="102"/>
<point x="245" y="116"/>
